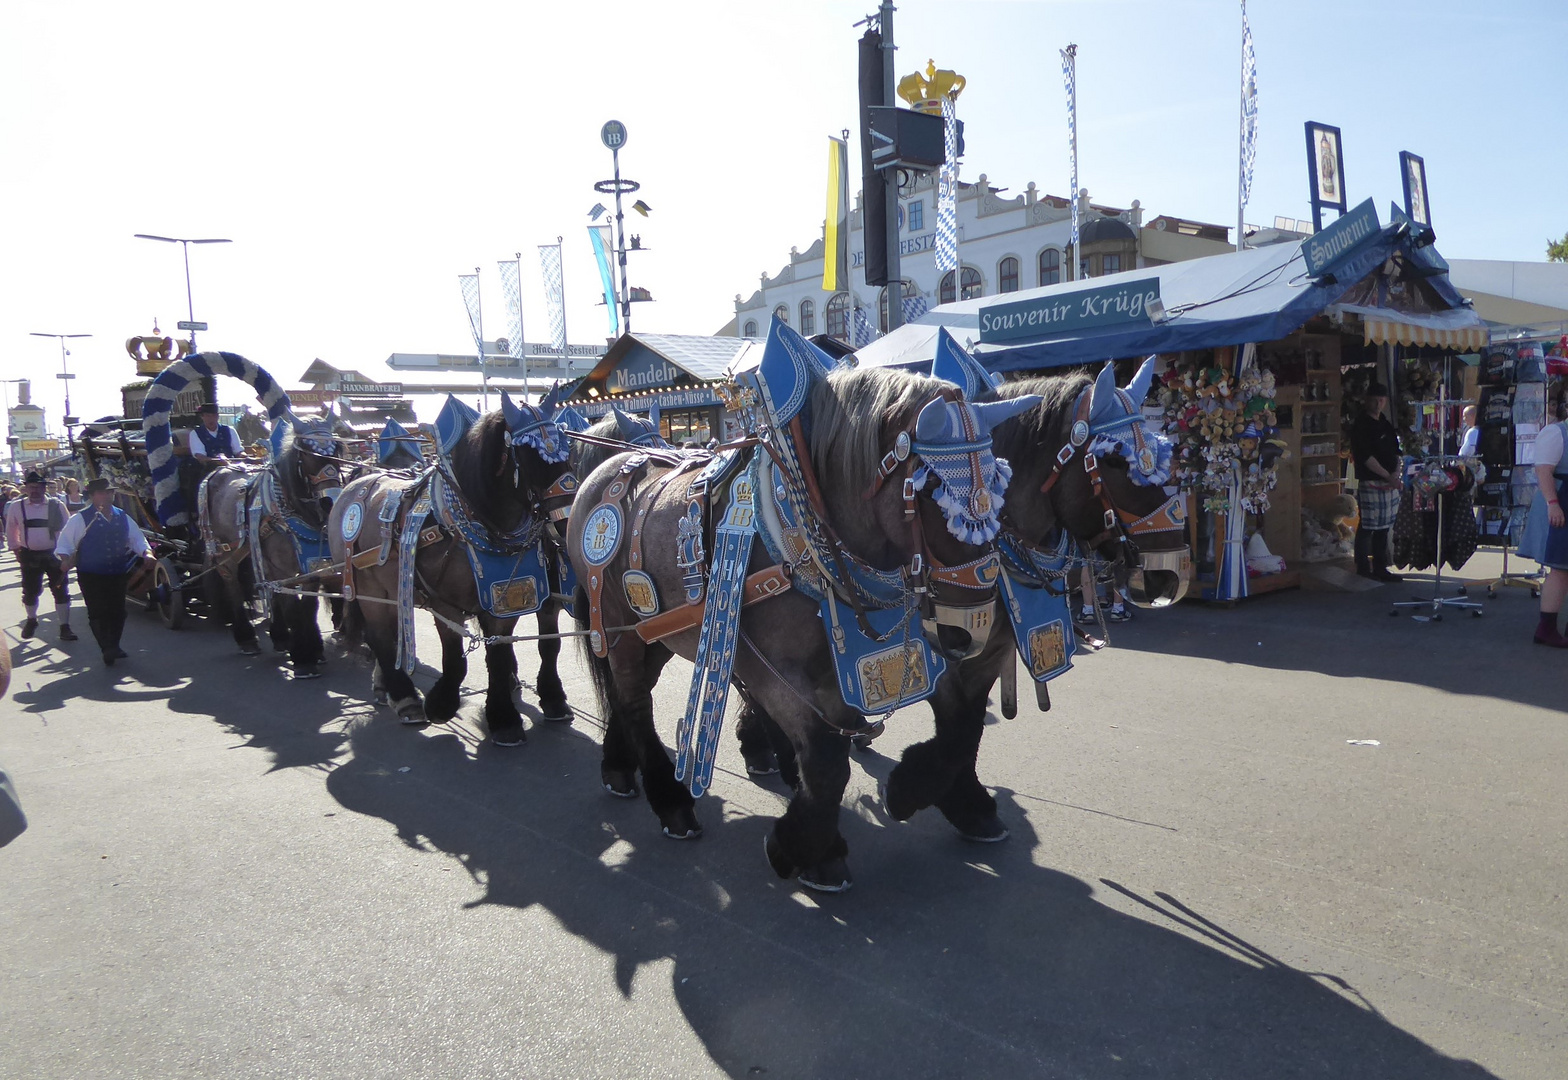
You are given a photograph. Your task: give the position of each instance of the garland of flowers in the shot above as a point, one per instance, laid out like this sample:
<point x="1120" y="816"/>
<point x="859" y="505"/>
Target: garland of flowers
<point x="1218" y="421"/>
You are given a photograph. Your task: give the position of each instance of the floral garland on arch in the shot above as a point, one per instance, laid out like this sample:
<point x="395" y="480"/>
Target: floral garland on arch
<point x="1219" y="420"/>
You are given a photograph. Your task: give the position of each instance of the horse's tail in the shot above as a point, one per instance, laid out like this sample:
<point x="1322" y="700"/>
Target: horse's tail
<point x="598" y="666"/>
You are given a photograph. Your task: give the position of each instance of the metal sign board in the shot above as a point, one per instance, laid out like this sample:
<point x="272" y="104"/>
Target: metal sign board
<point x="371" y="389"/>
<point x="1322" y="250"/>
<point x="1412" y="170"/>
<point x="1082" y="309"/>
<point x="185" y="324"/>
<point x="906" y="139"/>
<point x="31" y="445"/>
<point x="612" y="134"/>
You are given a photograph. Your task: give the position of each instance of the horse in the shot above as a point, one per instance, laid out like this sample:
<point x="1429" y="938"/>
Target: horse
<point x="264" y="524"/>
<point x="883" y="535"/>
<point x="1083" y="462"/>
<point x="484" y="516"/>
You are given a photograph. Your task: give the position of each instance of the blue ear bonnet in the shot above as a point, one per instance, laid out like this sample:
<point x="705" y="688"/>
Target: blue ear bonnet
<point x="394" y="437"/>
<point x="1117" y="427"/>
<point x="638" y="430"/>
<point x="953" y="440"/>
<point x="315" y="434"/>
<point x="570" y="419"/>
<point x="528" y="426"/>
<point x="952" y="364"/>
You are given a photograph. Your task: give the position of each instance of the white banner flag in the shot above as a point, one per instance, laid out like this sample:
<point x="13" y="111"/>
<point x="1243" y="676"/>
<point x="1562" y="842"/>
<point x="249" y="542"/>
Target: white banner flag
<point x="469" y="283"/>
<point x="1070" y="78"/>
<point x="947" y="193"/>
<point x="1249" y="108"/>
<point x="512" y="290"/>
<point x="554" y="293"/>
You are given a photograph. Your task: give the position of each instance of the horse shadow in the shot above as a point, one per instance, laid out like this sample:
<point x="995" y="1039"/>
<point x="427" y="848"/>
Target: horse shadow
<point x="947" y="958"/>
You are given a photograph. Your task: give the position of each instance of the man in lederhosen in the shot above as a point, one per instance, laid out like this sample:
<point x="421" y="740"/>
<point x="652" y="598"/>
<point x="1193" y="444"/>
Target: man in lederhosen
<point x="103" y="544"/>
<point x="210" y="439"/>
<point x="32" y="524"/>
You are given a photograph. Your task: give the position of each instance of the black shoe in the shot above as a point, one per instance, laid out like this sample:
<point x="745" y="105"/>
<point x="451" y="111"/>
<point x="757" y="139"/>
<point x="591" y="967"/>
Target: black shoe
<point x="118" y="653"/>
<point x="30" y="627"/>
<point x="109" y="658"/>
<point x="1386" y="576"/>
<point x="66" y="633"/>
<point x="1362" y="571"/>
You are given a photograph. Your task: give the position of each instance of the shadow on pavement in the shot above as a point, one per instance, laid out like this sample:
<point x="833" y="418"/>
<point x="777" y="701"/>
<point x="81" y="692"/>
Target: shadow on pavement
<point x="1352" y="635"/>
<point x="947" y="959"/>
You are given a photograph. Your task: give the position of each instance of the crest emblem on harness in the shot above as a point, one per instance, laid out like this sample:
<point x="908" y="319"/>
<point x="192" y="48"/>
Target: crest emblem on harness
<point x="601" y="535"/>
<point x="1080" y="432"/>
<point x="641" y="596"/>
<point x="1047" y="649"/>
<point x="353" y="519"/>
<point x="883" y="679"/>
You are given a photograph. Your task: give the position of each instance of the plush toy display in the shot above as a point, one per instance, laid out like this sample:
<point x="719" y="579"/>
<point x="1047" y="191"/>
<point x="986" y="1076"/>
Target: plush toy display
<point x="1220" y="421"/>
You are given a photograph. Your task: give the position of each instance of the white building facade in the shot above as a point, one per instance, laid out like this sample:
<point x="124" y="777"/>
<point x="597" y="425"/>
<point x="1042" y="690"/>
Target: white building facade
<point x="1005" y="244"/>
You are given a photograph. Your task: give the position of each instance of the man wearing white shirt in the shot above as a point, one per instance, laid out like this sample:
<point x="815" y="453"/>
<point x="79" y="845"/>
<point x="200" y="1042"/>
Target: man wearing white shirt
<point x="103" y="543"/>
<point x="211" y="439"/>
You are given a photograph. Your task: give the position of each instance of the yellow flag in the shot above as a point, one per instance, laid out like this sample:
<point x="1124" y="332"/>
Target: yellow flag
<point x="835" y="247"/>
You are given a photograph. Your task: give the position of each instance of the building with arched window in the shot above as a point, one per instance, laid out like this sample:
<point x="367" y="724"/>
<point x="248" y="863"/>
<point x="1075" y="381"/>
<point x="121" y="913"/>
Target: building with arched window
<point x="994" y="231"/>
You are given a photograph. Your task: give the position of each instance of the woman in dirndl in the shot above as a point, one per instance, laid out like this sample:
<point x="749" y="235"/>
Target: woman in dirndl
<point x="1545" y="534"/>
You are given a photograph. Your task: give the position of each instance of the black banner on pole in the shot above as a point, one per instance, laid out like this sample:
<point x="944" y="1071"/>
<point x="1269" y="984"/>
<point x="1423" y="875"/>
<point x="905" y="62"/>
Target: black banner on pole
<point x="873" y="185"/>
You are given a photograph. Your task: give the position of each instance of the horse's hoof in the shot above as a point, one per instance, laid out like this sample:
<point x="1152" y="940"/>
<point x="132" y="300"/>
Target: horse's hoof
<point x="379" y="697"/>
<point x="761" y="764"/>
<point x="681" y="824"/>
<point x="989" y="830"/>
<point x="864" y="740"/>
<point x="829" y="877"/>
<point x="774" y="851"/>
<point x="250" y="650"/>
<point x="307" y="671"/>
<point x="509" y="737"/>
<point x="627" y="793"/>
<point x="552" y="714"/>
<point x="411" y="711"/>
<point x="280" y="646"/>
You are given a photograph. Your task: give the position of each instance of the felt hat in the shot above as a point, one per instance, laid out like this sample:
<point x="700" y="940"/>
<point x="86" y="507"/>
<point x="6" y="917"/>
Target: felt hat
<point x="209" y="408"/>
<point x="33" y="477"/>
<point x="95" y="485"/>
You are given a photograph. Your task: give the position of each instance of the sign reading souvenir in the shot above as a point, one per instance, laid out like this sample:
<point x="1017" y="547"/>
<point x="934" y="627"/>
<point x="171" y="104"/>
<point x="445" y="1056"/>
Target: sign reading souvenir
<point x="1325" y="170"/>
<point x="1412" y="171"/>
<point x="1085" y="309"/>
<point x="1323" y="250"/>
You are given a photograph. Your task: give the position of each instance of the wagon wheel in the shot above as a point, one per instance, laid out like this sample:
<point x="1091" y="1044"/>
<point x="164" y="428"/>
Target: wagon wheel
<point x="167" y="594"/>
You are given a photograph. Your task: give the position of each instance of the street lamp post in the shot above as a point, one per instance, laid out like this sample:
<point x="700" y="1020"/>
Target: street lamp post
<point x="190" y="324"/>
<point x="69" y="419"/>
<point x="11" y="441"/>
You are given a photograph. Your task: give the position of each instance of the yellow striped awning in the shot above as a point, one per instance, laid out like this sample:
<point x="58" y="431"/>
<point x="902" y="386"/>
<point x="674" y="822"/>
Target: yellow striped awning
<point x="1375" y="331"/>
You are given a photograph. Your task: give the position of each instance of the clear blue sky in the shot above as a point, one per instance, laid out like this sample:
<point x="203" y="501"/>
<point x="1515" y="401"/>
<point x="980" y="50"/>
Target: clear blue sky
<point x="361" y="156"/>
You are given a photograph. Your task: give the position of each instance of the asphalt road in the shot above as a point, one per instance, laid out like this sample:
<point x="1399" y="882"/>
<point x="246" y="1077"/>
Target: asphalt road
<point x="231" y="874"/>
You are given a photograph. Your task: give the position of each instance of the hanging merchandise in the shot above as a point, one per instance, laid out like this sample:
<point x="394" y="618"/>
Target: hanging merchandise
<point x="1222" y="422"/>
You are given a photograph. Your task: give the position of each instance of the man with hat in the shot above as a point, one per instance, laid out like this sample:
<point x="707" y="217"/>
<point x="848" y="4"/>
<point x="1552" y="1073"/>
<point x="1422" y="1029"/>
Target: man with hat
<point x="32" y="524"/>
<point x="211" y="439"/>
<point x="1374" y="446"/>
<point x="103" y="543"/>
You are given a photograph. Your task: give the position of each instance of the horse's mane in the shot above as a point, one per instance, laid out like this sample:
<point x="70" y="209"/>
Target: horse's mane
<point x="475" y="460"/>
<point x="296" y="492"/>
<point x="587" y="456"/>
<point x="850" y="410"/>
<point x="1033" y="429"/>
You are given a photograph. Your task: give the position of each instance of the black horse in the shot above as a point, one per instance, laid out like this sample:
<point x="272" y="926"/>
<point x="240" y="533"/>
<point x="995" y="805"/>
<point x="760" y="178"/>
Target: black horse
<point x="499" y="491"/>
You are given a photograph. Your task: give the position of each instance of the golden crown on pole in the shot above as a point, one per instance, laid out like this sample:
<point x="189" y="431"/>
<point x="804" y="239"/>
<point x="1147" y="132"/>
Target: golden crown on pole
<point x="925" y="92"/>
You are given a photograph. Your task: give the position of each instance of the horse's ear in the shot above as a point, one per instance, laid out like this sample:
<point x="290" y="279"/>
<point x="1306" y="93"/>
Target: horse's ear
<point x="511" y="413"/>
<point x="1138" y="389"/>
<point x="624" y="425"/>
<point x="1103" y="401"/>
<point x="953" y="364"/>
<point x="994" y="413"/>
<point x="935" y="422"/>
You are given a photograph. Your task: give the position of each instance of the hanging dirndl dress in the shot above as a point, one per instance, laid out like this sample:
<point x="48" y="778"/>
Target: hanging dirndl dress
<point x="1541" y="542"/>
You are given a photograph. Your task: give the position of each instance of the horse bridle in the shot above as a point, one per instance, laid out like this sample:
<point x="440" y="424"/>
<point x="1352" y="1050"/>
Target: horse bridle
<point x="1118" y="524"/>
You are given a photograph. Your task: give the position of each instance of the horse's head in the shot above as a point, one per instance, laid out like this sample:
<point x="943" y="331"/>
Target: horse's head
<point x="534" y="469"/>
<point x="308" y="457"/>
<point x="909" y="480"/>
<point x="1087" y="461"/>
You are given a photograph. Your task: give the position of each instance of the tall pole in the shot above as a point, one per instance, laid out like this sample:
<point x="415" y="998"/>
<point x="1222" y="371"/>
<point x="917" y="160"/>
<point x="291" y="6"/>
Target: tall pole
<point x="185" y="245"/>
<point x="895" y="274"/>
<point x="484" y="368"/>
<point x="566" y="348"/>
<point x="620" y="247"/>
<point x="1070" y="75"/>
<point x="65" y="376"/>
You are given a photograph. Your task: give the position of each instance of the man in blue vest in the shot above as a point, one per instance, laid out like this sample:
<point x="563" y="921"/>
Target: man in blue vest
<point x="210" y="439"/>
<point x="103" y="544"/>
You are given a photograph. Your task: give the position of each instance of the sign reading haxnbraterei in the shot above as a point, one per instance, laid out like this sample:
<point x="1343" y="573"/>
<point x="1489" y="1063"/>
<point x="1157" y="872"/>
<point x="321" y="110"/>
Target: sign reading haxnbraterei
<point x="1086" y="309"/>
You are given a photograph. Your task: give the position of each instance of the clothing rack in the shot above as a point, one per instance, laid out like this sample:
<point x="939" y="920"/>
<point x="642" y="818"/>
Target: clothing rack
<point x="1513" y="578"/>
<point x="1437" y="603"/>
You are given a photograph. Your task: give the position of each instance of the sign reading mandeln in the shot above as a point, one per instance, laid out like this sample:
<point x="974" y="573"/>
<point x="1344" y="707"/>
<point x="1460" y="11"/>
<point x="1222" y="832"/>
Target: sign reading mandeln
<point x="1082" y="309"/>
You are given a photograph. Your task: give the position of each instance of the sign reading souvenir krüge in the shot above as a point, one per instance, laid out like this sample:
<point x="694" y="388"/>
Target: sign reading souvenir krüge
<point x="1109" y="305"/>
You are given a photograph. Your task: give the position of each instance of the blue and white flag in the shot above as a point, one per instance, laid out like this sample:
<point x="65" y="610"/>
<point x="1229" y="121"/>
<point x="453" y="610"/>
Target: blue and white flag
<point x="469" y="283"/>
<point x="512" y="290"/>
<point x="947" y="191"/>
<point x="1070" y="79"/>
<point x="864" y="333"/>
<point x="601" y="254"/>
<point x="914" y="307"/>
<point x="554" y="293"/>
<point x="1249" y="108"/>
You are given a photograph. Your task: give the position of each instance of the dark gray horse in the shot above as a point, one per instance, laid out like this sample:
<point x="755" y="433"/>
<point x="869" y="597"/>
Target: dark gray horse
<point x="265" y="524"/>
<point x="501" y="483"/>
<point x="784" y="661"/>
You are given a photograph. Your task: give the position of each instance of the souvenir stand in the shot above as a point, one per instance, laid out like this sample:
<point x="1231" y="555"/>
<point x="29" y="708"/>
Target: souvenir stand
<point x="1514" y="385"/>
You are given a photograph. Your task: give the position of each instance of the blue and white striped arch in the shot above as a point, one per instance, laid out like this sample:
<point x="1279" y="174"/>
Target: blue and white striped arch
<point x="169" y="501"/>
